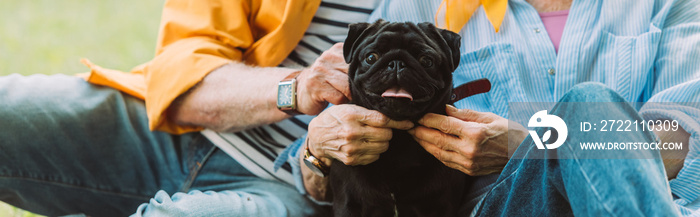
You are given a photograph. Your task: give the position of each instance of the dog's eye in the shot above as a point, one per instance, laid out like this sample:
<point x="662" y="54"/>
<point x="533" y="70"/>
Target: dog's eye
<point x="372" y="58"/>
<point x="426" y="61"/>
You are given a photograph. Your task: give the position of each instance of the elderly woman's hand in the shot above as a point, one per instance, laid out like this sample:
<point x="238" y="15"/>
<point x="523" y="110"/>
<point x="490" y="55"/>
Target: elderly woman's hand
<point x="351" y="134"/>
<point x="473" y="142"/>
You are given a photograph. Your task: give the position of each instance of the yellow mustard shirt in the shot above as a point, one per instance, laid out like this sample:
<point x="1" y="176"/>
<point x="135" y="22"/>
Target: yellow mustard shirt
<point x="198" y="36"/>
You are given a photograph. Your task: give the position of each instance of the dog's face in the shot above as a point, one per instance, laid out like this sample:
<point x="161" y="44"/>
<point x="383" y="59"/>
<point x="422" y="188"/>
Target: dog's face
<point x="403" y="70"/>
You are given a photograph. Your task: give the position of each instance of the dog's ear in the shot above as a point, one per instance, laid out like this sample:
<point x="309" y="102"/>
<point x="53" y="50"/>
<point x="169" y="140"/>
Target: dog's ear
<point x="354" y="32"/>
<point x="447" y="40"/>
<point x="454" y="41"/>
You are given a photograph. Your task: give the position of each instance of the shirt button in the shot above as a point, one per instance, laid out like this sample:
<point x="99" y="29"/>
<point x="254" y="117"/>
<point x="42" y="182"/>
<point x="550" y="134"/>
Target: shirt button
<point x="537" y="30"/>
<point x="551" y="71"/>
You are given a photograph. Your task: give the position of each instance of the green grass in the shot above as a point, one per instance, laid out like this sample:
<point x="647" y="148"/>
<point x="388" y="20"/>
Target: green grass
<point x="9" y="211"/>
<point x="49" y="37"/>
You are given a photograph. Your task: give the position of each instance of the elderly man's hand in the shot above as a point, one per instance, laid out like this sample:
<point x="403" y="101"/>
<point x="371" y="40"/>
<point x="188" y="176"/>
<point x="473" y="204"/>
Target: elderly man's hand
<point x="473" y="142"/>
<point x="351" y="134"/>
<point x="326" y="80"/>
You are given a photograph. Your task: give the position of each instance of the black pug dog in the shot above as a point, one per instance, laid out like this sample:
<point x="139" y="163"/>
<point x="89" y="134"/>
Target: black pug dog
<point x="403" y="70"/>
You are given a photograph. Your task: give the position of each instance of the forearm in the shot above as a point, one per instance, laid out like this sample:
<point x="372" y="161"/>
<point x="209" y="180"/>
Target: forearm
<point x="232" y="98"/>
<point x="673" y="159"/>
<point x="316" y="186"/>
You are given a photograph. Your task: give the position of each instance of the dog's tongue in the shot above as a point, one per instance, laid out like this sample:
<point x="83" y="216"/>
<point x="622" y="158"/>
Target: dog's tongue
<point x="398" y="93"/>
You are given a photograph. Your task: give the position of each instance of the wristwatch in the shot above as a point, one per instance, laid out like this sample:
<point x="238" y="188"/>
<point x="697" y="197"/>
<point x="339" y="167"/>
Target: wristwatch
<point x="313" y="163"/>
<point x="287" y="94"/>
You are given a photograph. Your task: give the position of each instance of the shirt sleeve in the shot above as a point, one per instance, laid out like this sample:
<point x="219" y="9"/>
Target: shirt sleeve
<point x="676" y="89"/>
<point x="196" y="37"/>
<point x="292" y="155"/>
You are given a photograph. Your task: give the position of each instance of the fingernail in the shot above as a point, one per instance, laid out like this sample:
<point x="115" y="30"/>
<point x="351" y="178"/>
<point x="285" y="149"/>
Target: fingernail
<point x="421" y="120"/>
<point x="451" y="108"/>
<point x="410" y="125"/>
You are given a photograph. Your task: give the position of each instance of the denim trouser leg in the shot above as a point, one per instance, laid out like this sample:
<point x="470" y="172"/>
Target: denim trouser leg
<point x="224" y="188"/>
<point x="67" y="146"/>
<point x="563" y="182"/>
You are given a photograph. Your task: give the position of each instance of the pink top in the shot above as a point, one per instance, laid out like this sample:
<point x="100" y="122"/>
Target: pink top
<point x="554" y="23"/>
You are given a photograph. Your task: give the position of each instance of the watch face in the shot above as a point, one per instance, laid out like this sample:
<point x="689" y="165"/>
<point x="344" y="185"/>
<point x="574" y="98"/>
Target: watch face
<point x="285" y="95"/>
<point x="313" y="168"/>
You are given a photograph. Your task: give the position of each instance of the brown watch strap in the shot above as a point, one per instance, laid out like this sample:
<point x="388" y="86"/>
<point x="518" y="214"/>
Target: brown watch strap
<point x="291" y="76"/>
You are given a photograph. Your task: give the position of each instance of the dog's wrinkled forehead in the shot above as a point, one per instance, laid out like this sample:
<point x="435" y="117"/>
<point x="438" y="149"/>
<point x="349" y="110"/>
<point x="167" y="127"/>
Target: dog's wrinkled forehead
<point x="400" y="36"/>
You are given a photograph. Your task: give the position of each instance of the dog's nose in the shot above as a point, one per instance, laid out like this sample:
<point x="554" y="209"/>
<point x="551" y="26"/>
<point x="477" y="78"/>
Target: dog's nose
<point x="396" y="65"/>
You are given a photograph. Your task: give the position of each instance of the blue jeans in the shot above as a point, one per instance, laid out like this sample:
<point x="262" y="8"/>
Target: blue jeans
<point x="565" y="182"/>
<point x="68" y="147"/>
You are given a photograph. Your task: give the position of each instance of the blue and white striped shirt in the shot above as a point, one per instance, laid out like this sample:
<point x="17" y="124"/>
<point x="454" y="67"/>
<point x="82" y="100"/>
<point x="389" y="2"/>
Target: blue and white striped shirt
<point x="648" y="51"/>
<point x="257" y="149"/>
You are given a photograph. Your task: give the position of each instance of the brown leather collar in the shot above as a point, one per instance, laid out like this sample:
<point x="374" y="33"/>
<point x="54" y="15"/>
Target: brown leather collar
<point x="471" y="88"/>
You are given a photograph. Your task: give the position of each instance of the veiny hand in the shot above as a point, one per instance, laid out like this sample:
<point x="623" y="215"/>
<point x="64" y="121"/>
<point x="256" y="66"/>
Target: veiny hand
<point x="473" y="142"/>
<point x="351" y="134"/>
<point x="326" y="80"/>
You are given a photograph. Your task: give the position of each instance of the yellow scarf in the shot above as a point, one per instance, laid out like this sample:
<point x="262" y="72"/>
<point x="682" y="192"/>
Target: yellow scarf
<point x="453" y="14"/>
